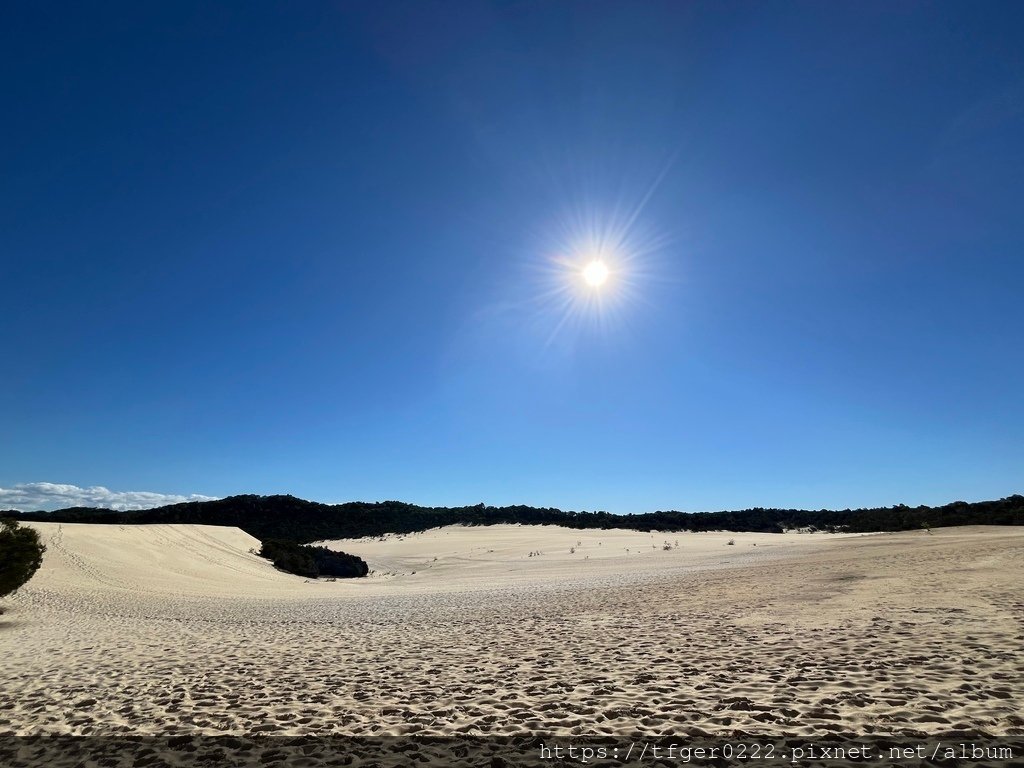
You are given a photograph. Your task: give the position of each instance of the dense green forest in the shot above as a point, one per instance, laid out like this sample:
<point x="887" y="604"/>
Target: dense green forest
<point x="289" y="518"/>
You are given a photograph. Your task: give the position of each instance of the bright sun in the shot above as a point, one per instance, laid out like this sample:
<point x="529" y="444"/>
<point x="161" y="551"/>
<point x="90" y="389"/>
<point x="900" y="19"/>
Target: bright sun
<point x="595" y="273"/>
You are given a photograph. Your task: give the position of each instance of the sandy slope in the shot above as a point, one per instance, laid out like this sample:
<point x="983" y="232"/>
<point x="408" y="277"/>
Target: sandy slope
<point x="179" y="628"/>
<point x="501" y="556"/>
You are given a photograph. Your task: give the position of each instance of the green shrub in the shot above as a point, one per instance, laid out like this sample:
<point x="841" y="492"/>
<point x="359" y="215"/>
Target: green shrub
<point x="304" y="560"/>
<point x="339" y="564"/>
<point x="21" y="554"/>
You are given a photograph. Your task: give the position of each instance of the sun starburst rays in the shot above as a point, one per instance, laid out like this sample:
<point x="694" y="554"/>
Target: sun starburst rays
<point x="594" y="270"/>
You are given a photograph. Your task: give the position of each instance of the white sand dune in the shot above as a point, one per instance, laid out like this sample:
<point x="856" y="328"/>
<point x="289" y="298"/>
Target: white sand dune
<point x="180" y="629"/>
<point x="486" y="557"/>
<point x="144" y="562"/>
<point x="155" y="559"/>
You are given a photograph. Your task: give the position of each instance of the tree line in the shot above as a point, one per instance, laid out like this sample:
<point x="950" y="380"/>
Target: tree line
<point x="293" y="519"/>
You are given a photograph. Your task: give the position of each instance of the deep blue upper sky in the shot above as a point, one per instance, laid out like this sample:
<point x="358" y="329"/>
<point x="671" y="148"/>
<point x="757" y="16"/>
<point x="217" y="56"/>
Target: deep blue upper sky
<point x="309" y="248"/>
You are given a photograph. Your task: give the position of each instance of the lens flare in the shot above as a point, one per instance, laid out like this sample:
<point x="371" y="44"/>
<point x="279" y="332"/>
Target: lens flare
<point x="593" y="266"/>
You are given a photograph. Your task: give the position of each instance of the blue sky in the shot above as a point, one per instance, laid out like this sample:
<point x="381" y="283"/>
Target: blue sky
<point x="334" y="250"/>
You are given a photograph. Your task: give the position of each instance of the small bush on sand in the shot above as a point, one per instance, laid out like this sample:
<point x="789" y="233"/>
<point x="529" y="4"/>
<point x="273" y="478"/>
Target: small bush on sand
<point x="21" y="554"/>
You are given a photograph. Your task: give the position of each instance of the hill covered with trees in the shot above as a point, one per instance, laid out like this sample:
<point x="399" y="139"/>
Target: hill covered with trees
<point x="292" y="519"/>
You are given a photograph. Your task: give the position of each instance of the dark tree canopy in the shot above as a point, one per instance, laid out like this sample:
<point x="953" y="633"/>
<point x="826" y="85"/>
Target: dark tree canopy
<point x="21" y="554"/>
<point x="304" y="560"/>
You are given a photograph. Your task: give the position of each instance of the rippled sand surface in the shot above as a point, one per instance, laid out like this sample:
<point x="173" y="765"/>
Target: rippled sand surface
<point x="507" y="630"/>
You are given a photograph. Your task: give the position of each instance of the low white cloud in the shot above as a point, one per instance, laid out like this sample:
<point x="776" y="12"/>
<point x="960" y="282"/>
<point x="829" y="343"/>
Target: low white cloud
<point x="28" y="497"/>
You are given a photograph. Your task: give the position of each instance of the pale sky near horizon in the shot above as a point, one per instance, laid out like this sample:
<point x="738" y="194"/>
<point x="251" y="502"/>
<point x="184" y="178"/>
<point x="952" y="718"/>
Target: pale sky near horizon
<point x="340" y="250"/>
